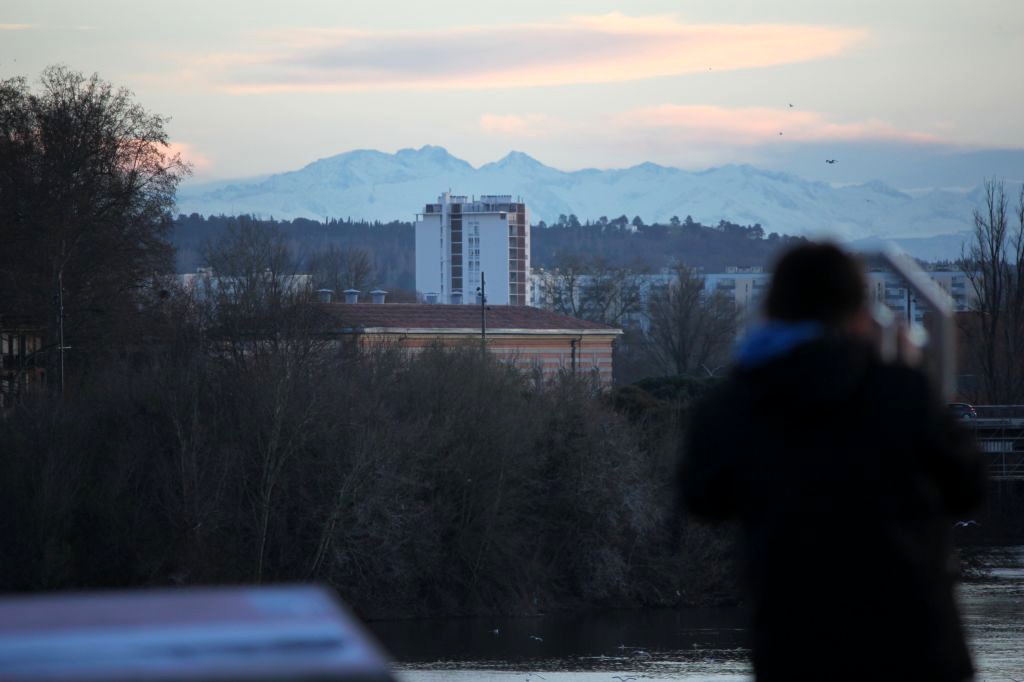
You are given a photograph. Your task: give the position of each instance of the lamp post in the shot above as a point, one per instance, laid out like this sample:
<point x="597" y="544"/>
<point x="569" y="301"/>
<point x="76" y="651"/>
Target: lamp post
<point x="482" y="295"/>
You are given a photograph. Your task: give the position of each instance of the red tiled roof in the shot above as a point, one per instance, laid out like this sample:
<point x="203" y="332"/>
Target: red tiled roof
<point x="408" y="316"/>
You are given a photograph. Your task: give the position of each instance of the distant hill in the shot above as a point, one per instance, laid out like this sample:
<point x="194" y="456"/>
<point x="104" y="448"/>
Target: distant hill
<point x="391" y="245"/>
<point x="711" y="248"/>
<point x="932" y="249"/>
<point x="372" y="185"/>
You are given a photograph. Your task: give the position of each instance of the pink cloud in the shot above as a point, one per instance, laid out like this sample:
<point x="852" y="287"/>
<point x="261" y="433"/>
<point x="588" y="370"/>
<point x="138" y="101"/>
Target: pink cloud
<point x="190" y="154"/>
<point x="15" y="27"/>
<point x="756" y="125"/>
<point x="593" y="49"/>
<point x="512" y="125"/>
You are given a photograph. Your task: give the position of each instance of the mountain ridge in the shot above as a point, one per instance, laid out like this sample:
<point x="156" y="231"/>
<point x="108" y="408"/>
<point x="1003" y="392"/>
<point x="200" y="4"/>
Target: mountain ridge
<point x="373" y="185"/>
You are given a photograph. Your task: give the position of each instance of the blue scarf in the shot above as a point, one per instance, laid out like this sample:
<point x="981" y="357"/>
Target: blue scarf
<point x="774" y="339"/>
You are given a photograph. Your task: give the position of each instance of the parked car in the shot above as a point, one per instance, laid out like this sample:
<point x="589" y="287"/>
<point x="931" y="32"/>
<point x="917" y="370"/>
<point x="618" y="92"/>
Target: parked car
<point x="963" y="411"/>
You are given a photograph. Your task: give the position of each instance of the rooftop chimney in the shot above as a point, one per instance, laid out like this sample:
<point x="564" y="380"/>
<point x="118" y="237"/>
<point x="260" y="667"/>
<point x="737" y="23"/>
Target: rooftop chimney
<point x="430" y="297"/>
<point x="456" y="298"/>
<point x="378" y="295"/>
<point x="351" y="295"/>
<point x="324" y="295"/>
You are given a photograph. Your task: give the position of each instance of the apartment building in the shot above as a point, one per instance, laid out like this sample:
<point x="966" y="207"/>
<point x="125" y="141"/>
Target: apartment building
<point x="464" y="243"/>
<point x="889" y="289"/>
<point x="746" y="288"/>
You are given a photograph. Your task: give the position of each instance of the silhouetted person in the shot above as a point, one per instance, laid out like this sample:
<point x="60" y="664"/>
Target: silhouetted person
<point x="844" y="473"/>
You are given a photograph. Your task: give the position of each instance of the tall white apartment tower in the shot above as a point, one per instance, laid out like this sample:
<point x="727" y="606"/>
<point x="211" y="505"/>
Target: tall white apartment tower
<point x="458" y="238"/>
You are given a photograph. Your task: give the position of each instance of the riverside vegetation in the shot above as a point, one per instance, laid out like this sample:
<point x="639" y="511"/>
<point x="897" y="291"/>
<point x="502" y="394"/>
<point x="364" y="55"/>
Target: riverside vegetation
<point x="232" y="441"/>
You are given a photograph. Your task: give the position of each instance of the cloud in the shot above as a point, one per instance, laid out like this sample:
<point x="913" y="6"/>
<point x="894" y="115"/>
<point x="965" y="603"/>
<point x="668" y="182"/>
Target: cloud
<point x="525" y="126"/>
<point x="756" y="125"/>
<point x="590" y="49"/>
<point x="703" y="126"/>
<point x="189" y="153"/>
<point x="45" y="27"/>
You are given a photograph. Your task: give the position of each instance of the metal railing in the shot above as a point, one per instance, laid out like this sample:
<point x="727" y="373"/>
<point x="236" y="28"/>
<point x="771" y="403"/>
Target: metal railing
<point x="1001" y="440"/>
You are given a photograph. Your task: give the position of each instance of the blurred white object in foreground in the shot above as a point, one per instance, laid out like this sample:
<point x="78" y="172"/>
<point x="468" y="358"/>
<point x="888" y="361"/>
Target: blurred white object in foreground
<point x="237" y="633"/>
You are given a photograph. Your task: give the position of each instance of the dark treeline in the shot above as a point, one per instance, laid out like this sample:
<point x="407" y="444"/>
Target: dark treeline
<point x="617" y="243"/>
<point x="711" y="248"/>
<point x="239" y="444"/>
<point x="391" y="246"/>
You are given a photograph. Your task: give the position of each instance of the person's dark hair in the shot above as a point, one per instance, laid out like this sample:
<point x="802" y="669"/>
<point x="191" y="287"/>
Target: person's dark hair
<point x="819" y="282"/>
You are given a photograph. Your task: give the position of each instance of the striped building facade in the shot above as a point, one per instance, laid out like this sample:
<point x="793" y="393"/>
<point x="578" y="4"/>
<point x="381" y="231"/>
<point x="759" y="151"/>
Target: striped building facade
<point x="528" y="338"/>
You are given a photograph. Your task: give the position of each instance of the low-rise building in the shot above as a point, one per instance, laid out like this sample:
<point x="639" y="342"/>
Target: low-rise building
<point x="746" y="288"/>
<point x="205" y="282"/>
<point x="888" y="288"/>
<point x="528" y="338"/>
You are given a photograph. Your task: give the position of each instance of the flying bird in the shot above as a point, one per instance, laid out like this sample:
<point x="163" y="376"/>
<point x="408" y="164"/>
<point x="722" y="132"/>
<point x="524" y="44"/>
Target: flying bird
<point x="536" y="638"/>
<point x="964" y="524"/>
<point x="790" y="106"/>
<point x="830" y="160"/>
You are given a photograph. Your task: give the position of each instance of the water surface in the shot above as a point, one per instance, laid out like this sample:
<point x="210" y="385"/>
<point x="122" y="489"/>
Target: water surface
<point x="695" y="645"/>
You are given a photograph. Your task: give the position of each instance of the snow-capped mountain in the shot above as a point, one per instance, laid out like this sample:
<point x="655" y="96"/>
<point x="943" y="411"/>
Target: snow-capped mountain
<point x="373" y="185"/>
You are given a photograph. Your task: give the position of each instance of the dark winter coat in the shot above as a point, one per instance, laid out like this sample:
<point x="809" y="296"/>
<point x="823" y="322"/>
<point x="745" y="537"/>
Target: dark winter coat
<point x="846" y="475"/>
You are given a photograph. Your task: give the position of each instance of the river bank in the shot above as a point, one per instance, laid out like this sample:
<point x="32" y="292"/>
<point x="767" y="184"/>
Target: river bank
<point x="696" y="645"/>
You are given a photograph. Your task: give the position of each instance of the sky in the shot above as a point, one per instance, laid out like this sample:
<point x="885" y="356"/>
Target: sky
<point x="919" y="93"/>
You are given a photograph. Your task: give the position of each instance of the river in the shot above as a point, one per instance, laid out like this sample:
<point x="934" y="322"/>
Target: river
<point x="653" y="645"/>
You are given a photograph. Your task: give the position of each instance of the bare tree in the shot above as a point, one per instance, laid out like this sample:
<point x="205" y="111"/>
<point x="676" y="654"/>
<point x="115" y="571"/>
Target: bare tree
<point x="593" y="290"/>
<point x="250" y="261"/>
<point x="690" y="329"/>
<point x="611" y="295"/>
<point x="562" y="287"/>
<point x="994" y="265"/>
<point x="265" y="326"/>
<point x="87" y="181"/>
<point x="339" y="269"/>
<point x="256" y="304"/>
